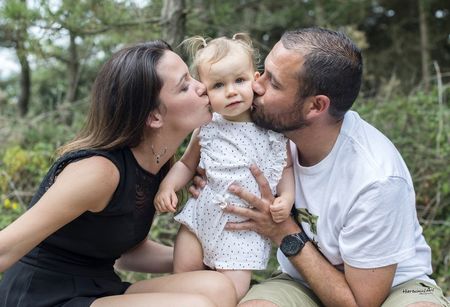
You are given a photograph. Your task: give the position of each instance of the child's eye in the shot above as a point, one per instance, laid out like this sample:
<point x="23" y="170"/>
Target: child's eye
<point x="240" y="80"/>
<point x="217" y="85"/>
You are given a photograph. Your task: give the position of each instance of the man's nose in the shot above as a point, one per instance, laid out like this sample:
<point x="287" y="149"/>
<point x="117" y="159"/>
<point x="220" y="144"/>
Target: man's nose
<point x="258" y="87"/>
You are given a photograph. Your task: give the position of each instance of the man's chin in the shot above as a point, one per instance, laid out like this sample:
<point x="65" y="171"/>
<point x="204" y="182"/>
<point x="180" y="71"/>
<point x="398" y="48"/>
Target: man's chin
<point x="261" y="120"/>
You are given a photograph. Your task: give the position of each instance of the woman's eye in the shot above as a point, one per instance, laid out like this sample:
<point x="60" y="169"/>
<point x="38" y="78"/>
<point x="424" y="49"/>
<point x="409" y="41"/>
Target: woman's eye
<point x="185" y="88"/>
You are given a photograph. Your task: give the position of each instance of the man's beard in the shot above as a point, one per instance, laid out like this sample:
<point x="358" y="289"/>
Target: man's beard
<point x="284" y="121"/>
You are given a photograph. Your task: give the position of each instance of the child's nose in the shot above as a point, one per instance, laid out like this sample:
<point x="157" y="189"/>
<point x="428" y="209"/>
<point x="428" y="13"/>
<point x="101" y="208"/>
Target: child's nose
<point x="231" y="90"/>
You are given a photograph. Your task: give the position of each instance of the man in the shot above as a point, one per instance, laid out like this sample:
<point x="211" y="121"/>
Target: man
<point x="355" y="239"/>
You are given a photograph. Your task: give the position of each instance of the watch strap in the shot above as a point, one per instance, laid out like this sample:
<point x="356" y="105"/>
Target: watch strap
<point x="302" y="236"/>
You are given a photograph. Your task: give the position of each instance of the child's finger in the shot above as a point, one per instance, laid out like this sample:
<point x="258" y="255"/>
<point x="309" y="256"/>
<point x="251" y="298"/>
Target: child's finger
<point x="277" y="219"/>
<point x="274" y="209"/>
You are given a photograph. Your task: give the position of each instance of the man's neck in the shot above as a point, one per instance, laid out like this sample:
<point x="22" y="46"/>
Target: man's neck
<point x="315" y="142"/>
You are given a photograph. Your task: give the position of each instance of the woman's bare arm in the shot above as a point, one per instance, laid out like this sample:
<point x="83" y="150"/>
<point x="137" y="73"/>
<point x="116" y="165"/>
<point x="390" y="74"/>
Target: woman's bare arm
<point x="85" y="185"/>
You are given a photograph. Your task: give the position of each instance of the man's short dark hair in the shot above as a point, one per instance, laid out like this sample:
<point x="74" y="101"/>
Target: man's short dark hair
<point x="332" y="66"/>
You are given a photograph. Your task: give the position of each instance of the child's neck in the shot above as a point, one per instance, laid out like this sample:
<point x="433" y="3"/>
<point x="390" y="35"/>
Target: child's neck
<point x="243" y="117"/>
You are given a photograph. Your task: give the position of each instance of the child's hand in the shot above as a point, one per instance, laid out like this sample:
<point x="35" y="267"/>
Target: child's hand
<point x="166" y="200"/>
<point x="280" y="209"/>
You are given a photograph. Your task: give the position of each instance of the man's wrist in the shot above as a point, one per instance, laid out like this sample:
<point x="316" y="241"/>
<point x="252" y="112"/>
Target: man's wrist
<point x="286" y="228"/>
<point x="292" y="244"/>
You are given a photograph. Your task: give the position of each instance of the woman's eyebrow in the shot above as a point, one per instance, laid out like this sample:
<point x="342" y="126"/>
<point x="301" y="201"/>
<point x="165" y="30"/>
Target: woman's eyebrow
<point x="180" y="81"/>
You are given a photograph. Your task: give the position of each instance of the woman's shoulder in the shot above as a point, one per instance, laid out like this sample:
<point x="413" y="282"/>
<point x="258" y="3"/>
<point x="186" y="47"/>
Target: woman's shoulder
<point x="97" y="177"/>
<point x="96" y="165"/>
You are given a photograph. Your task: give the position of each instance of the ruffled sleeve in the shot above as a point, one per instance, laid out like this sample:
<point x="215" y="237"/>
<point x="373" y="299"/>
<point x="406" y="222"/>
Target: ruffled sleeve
<point x="277" y="158"/>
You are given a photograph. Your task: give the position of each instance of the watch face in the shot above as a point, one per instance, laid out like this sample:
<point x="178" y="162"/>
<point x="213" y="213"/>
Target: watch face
<point x="291" y="245"/>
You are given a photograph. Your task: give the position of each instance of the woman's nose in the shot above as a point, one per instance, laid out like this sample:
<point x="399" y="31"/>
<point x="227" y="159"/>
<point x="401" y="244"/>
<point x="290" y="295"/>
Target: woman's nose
<point x="201" y="88"/>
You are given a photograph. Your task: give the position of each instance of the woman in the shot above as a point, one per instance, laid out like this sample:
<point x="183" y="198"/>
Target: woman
<point x="96" y="203"/>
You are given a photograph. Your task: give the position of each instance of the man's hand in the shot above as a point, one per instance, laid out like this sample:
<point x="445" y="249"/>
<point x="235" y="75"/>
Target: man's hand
<point x="198" y="182"/>
<point x="259" y="217"/>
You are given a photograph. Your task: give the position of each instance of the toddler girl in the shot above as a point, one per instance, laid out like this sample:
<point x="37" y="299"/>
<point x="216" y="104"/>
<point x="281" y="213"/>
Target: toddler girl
<point x="226" y="148"/>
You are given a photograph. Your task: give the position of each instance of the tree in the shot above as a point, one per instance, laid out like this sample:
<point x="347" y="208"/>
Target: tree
<point x="424" y="43"/>
<point x="173" y="21"/>
<point x="15" y="22"/>
<point x="83" y="23"/>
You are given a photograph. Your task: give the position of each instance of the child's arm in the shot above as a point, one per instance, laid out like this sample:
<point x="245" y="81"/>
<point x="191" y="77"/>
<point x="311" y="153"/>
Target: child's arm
<point x="281" y="207"/>
<point x="179" y="175"/>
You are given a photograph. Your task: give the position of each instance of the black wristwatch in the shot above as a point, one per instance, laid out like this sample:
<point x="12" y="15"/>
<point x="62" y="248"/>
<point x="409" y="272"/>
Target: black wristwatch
<point x="292" y="244"/>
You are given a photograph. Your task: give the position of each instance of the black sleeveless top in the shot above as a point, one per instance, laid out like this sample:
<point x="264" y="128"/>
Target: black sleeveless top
<point x="89" y="245"/>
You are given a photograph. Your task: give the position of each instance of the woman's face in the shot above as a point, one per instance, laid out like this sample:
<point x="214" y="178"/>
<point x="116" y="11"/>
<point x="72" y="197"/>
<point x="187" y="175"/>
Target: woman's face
<point x="185" y="103"/>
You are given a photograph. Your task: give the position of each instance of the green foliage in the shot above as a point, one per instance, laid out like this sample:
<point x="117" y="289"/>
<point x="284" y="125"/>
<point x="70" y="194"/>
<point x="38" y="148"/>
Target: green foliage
<point x="21" y="171"/>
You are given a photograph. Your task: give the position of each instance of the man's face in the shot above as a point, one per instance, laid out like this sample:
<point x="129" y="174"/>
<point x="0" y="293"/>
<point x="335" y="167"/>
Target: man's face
<point x="276" y="105"/>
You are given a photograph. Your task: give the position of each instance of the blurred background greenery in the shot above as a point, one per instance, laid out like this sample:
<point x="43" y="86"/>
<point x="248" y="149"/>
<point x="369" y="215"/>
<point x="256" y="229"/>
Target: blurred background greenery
<point x="50" y="52"/>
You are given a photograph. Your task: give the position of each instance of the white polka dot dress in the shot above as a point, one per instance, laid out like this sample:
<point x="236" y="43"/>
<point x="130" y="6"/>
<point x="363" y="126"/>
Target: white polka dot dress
<point x="227" y="150"/>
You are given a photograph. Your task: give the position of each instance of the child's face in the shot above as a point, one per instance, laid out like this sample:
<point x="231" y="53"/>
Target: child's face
<point x="229" y="85"/>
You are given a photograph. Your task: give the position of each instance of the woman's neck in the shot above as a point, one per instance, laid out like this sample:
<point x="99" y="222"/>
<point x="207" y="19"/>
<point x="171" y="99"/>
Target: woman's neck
<point x="157" y="147"/>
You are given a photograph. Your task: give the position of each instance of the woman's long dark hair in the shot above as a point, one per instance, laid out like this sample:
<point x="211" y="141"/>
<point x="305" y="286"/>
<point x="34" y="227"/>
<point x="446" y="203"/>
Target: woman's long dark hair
<point x="125" y="91"/>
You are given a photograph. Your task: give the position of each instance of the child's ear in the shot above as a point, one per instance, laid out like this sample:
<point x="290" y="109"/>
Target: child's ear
<point x="155" y="119"/>
<point x="257" y="74"/>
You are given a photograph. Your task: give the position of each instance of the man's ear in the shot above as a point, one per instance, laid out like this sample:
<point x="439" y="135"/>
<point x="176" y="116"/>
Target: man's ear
<point x="257" y="75"/>
<point x="155" y="119"/>
<point x="318" y="105"/>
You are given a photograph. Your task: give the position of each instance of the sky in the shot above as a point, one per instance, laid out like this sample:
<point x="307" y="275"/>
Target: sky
<point x="8" y="63"/>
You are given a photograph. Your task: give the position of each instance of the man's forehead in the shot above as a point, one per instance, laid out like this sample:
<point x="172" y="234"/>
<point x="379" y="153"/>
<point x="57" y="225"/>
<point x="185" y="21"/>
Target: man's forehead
<point x="283" y="61"/>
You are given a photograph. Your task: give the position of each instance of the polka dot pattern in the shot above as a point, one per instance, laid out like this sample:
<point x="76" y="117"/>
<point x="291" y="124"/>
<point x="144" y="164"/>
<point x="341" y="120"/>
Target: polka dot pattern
<point x="227" y="150"/>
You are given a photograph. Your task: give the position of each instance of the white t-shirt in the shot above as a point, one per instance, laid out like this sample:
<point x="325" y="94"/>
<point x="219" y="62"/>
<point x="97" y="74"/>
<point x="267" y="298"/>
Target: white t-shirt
<point x="358" y="205"/>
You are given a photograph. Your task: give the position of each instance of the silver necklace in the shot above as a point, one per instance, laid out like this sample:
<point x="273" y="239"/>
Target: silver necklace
<point x="159" y="154"/>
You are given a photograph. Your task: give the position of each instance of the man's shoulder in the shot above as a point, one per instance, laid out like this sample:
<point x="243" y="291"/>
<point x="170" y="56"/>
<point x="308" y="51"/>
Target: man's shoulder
<point x="367" y="153"/>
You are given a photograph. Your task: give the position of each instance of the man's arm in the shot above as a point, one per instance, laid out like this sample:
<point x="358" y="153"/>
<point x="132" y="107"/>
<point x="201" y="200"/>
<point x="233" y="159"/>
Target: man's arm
<point x="355" y="287"/>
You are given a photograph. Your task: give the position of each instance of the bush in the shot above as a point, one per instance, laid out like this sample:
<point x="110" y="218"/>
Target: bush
<point x="20" y="173"/>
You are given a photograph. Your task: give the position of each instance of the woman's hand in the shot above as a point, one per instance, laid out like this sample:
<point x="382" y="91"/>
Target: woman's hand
<point x="259" y="217"/>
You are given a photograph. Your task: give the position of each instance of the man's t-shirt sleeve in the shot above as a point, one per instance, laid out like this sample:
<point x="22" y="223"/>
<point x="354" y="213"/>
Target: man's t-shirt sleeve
<point x="379" y="228"/>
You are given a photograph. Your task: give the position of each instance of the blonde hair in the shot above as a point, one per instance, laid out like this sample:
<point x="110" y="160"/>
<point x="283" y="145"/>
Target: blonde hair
<point x="220" y="47"/>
